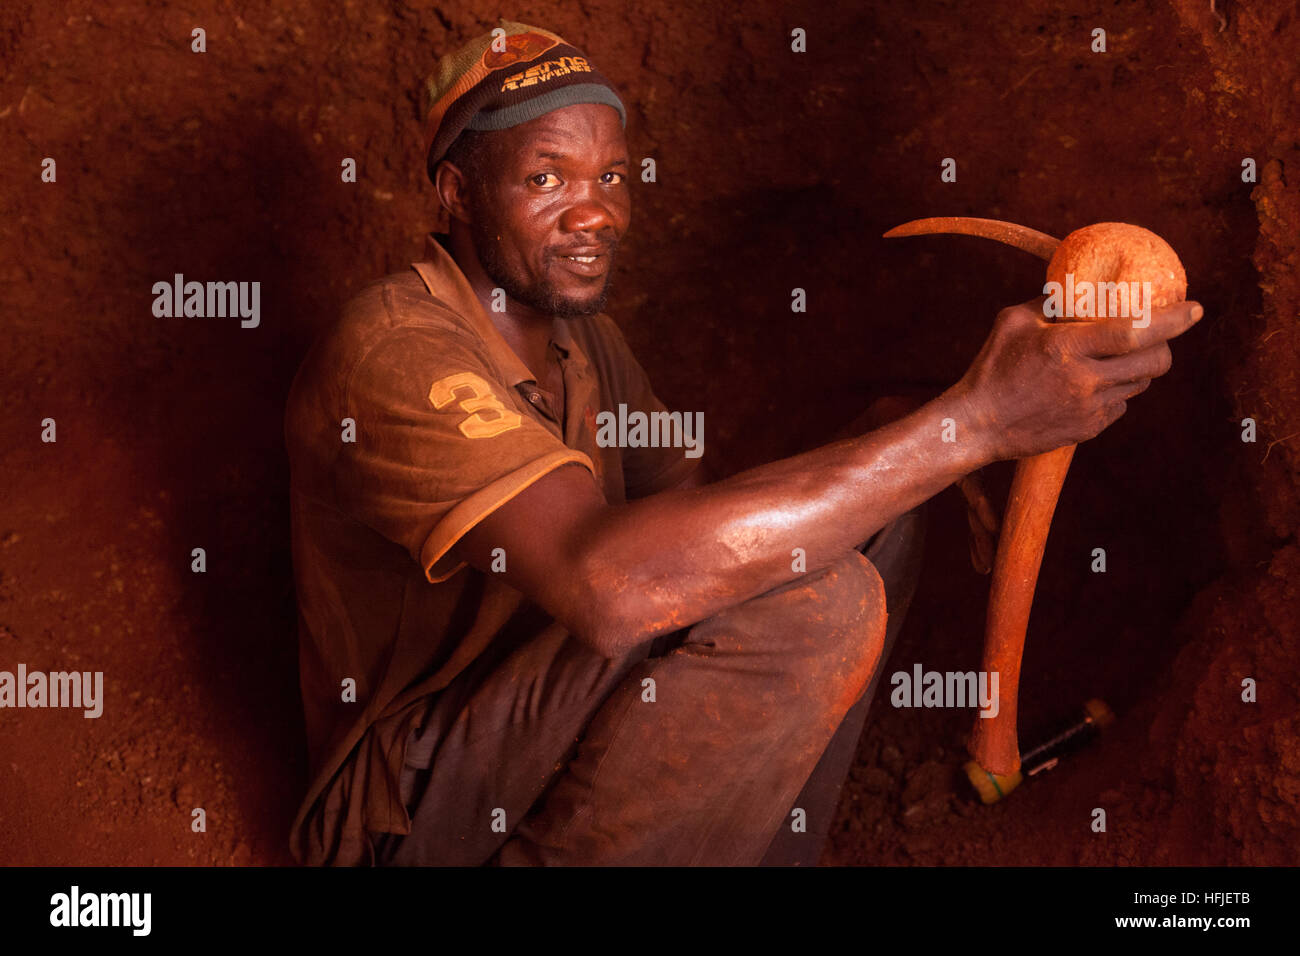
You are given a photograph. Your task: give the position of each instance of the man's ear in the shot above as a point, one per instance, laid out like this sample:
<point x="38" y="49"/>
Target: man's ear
<point x="453" y="188"/>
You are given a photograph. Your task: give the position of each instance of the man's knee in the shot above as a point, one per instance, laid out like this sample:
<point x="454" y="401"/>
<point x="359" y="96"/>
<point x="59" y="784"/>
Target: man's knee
<point x="849" y="593"/>
<point x="851" y="617"/>
<point x="832" y="630"/>
<point x="825" y="622"/>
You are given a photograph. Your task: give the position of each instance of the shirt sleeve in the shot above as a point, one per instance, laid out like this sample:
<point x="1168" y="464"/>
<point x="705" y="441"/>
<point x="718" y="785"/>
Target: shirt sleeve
<point x="440" y="443"/>
<point x="646" y="470"/>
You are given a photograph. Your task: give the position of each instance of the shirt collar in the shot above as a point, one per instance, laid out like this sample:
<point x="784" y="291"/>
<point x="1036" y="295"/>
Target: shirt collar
<point x="447" y="282"/>
<point x="562" y="339"/>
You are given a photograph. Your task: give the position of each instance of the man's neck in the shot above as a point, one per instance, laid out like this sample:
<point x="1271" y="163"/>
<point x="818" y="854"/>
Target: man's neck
<point x="527" y="331"/>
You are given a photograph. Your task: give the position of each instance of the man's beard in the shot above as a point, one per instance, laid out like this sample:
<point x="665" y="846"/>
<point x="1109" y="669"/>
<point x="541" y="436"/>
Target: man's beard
<point x="544" y="297"/>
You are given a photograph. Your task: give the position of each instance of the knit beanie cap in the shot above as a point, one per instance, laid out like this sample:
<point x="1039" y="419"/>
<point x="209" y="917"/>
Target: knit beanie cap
<point x="495" y="82"/>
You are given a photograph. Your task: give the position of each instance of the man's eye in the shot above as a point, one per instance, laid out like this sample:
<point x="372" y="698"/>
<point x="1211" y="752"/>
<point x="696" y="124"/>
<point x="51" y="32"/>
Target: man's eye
<point x="612" y="178"/>
<point x="541" y="179"/>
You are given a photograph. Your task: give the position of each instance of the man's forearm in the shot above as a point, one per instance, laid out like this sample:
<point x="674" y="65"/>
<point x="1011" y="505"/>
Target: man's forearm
<point x="733" y="540"/>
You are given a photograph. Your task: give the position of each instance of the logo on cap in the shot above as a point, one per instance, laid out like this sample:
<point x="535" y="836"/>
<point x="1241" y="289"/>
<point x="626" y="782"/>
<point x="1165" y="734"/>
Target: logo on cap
<point x="519" y="49"/>
<point x="546" y="71"/>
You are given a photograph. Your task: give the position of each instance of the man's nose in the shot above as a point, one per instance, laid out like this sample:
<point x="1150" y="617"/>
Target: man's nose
<point x="591" y="211"/>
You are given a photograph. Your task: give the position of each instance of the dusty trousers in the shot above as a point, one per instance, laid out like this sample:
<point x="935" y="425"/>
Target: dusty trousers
<point x="699" y="748"/>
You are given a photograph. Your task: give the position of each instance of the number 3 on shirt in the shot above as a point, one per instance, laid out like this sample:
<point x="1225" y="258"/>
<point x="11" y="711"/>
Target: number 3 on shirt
<point x="497" y="419"/>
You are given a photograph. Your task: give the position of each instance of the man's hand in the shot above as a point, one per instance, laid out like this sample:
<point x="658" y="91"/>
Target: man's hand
<point x="1038" y="385"/>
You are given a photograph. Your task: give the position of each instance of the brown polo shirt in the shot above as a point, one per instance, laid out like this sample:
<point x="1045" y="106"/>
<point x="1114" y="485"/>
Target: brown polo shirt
<point x="410" y="421"/>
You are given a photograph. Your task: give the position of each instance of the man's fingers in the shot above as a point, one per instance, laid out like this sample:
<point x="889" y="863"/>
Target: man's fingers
<point x="983" y="521"/>
<point x="983" y="546"/>
<point x="1106" y="337"/>
<point x="978" y="503"/>
<point x="1118" y="394"/>
<point x="1114" y="412"/>
<point x="1146" y="364"/>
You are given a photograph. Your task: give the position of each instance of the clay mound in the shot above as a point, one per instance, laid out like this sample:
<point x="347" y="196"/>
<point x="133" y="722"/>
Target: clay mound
<point x="1121" y="252"/>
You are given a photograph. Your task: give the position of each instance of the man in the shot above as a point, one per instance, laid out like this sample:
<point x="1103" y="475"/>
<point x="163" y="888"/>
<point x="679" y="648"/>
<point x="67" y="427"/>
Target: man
<point x="522" y="645"/>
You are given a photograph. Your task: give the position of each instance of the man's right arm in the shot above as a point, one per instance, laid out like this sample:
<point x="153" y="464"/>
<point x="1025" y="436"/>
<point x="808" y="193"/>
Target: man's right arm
<point x="618" y="576"/>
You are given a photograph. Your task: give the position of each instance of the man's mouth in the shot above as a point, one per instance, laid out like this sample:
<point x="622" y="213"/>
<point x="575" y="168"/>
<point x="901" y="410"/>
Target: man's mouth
<point x="590" y="262"/>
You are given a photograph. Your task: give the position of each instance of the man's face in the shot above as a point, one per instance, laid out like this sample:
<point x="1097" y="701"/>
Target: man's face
<point x="551" y="207"/>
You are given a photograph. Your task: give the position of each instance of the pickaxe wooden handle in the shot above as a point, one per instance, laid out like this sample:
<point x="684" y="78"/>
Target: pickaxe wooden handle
<point x="1034" y="492"/>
